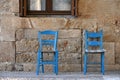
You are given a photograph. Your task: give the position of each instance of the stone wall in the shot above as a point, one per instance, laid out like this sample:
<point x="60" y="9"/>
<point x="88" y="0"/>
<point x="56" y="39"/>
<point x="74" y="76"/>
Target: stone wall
<point x="18" y="35"/>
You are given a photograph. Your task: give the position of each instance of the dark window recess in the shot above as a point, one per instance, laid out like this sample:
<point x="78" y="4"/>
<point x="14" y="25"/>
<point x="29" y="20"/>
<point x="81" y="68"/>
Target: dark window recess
<point x="47" y="7"/>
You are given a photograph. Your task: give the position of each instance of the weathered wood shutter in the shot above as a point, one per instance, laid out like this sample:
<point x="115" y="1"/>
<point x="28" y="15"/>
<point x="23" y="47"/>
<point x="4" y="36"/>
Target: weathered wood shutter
<point x="22" y="8"/>
<point x="74" y="10"/>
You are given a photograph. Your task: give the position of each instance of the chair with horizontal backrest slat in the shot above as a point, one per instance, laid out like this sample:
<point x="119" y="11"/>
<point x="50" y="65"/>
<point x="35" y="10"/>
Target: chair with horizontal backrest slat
<point x="47" y="38"/>
<point x="93" y="45"/>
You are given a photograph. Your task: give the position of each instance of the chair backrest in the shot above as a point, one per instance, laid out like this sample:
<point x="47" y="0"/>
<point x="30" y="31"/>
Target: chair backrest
<point x="48" y="38"/>
<point x="93" y="39"/>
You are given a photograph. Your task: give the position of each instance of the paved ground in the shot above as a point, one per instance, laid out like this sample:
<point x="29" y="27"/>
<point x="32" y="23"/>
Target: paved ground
<point x="114" y="75"/>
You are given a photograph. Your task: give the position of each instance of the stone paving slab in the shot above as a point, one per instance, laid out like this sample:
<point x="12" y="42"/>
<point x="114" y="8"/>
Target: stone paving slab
<point x="60" y="76"/>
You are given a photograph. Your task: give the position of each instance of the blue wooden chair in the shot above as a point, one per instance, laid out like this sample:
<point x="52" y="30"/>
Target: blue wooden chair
<point x="93" y="45"/>
<point x="44" y="42"/>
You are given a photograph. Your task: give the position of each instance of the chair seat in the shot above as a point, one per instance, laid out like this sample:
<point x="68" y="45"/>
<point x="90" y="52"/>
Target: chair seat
<point x="93" y="51"/>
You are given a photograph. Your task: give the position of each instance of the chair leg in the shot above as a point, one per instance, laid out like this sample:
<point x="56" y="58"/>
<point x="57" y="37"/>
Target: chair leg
<point x="54" y="66"/>
<point x="37" y="69"/>
<point x="42" y="63"/>
<point x="85" y="63"/>
<point x="102" y="57"/>
<point x="42" y="68"/>
<point x="56" y="69"/>
<point x="101" y="62"/>
<point x="38" y="64"/>
<point x="56" y="63"/>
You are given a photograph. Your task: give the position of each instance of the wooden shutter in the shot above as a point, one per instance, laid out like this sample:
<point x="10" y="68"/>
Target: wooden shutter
<point x="74" y="10"/>
<point x="22" y="8"/>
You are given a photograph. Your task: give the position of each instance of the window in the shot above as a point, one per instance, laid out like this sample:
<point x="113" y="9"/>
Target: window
<point x="48" y="7"/>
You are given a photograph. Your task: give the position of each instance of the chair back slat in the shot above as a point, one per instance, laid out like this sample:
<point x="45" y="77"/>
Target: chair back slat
<point x="93" y="39"/>
<point x="94" y="34"/>
<point x="48" y="41"/>
<point x="94" y="43"/>
<point x="48" y="32"/>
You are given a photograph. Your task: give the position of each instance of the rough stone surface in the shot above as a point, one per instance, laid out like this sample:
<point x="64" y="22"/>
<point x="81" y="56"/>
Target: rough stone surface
<point x="29" y="67"/>
<point x="19" y="34"/>
<point x="5" y="6"/>
<point x="109" y="53"/>
<point x="47" y="23"/>
<point x="109" y="33"/>
<point x="7" y="29"/>
<point x="69" y="45"/>
<point x="15" y="5"/>
<point x="31" y="33"/>
<point x="117" y="53"/>
<point x="69" y="58"/>
<point x="7" y="52"/>
<point x="6" y="66"/>
<point x="19" y="67"/>
<point x="64" y="34"/>
<point x="26" y="45"/>
<point x="69" y="67"/>
<point x="2" y="66"/>
<point x="112" y="67"/>
<point x="28" y="57"/>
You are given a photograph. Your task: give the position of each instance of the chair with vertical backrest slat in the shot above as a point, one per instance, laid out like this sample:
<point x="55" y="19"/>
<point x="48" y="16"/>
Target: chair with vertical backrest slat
<point x="93" y="44"/>
<point x="50" y="40"/>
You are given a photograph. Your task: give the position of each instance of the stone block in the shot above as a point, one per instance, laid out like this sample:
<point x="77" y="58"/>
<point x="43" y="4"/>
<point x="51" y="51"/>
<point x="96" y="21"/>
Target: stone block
<point x="71" y="23"/>
<point x="21" y="23"/>
<point x="26" y="23"/>
<point x="19" y="67"/>
<point x="32" y="67"/>
<point x="6" y="66"/>
<point x="19" y="34"/>
<point x="69" y="67"/>
<point x="26" y="46"/>
<point x="69" y="58"/>
<point x="117" y="53"/>
<point x="69" y="45"/>
<point x="15" y="5"/>
<point x="94" y="58"/>
<point x="70" y="34"/>
<point x="9" y="66"/>
<point x="5" y="6"/>
<point x="28" y="57"/>
<point x="115" y="67"/>
<point x="99" y="8"/>
<point x="89" y="24"/>
<point x="29" y="67"/>
<point x="47" y="23"/>
<point x="48" y="68"/>
<point x="7" y="29"/>
<point x="118" y="22"/>
<point x="2" y="66"/>
<point x="31" y="33"/>
<point x="7" y="52"/>
<point x="109" y="33"/>
<point x="117" y="34"/>
<point x="109" y="53"/>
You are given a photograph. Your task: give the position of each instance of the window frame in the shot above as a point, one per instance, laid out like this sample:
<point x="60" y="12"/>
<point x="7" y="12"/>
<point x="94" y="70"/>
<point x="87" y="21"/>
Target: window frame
<point x="24" y="11"/>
